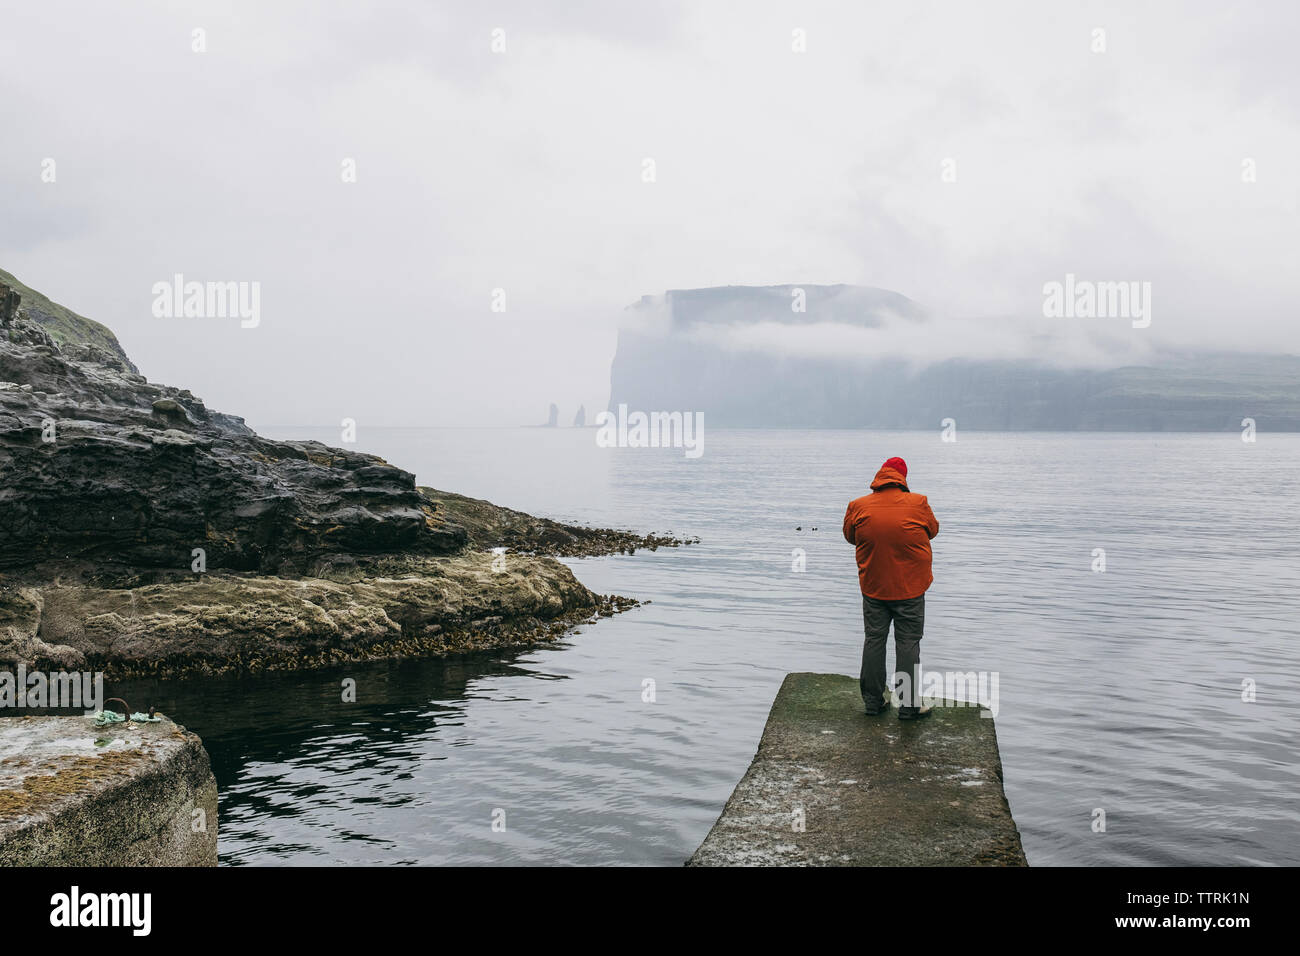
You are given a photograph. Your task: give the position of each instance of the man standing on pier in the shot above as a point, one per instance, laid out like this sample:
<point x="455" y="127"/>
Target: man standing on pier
<point x="892" y="528"/>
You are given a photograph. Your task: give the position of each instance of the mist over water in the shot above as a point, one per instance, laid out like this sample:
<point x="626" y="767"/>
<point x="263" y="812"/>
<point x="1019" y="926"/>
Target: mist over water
<point x="1119" y="690"/>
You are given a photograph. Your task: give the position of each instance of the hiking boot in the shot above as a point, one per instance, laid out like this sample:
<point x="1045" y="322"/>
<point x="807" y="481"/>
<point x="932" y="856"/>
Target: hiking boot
<point x="882" y="709"/>
<point x="914" y="713"/>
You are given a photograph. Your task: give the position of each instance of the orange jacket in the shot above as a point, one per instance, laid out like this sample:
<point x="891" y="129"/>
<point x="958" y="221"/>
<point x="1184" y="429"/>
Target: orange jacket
<point x="891" y="528"/>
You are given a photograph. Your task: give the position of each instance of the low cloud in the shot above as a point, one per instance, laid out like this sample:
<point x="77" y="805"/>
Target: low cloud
<point x="1066" y="345"/>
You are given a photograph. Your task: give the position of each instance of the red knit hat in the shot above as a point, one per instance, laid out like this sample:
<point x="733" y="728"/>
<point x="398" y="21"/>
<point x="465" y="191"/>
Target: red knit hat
<point x="898" y="465"/>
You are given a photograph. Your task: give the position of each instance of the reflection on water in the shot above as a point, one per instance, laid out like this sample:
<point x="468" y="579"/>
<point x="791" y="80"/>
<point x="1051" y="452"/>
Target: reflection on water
<point x="1120" y="690"/>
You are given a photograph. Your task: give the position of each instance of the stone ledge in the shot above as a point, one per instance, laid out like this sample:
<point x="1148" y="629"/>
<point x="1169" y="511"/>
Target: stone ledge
<point x="73" y="794"/>
<point x="874" y="791"/>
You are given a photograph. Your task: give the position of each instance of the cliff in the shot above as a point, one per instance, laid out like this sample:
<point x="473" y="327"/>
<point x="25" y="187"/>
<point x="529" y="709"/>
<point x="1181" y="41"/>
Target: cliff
<point x="714" y="351"/>
<point x="74" y="333"/>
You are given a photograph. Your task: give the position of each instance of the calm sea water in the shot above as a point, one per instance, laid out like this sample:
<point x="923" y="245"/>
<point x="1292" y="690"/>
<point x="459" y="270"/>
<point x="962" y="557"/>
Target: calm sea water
<point x="1120" y="690"/>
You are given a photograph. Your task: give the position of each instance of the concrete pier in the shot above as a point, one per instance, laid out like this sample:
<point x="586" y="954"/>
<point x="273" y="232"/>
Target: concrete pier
<point x="73" y="794"/>
<point x="830" y="786"/>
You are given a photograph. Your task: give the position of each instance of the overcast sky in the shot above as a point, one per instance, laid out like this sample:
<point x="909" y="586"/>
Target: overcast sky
<point x="523" y="170"/>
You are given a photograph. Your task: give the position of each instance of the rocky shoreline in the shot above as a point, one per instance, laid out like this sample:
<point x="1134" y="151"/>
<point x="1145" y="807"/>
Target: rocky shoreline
<point x="142" y="533"/>
<point x="242" y="623"/>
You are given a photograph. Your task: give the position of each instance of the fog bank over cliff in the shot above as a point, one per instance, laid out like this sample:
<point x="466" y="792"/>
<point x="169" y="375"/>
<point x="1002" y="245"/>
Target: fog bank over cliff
<point x="849" y="356"/>
<point x="847" y="322"/>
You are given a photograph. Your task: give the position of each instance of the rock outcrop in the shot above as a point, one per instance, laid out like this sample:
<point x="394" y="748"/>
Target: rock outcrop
<point x="141" y="530"/>
<point x="492" y="526"/>
<point x="106" y="472"/>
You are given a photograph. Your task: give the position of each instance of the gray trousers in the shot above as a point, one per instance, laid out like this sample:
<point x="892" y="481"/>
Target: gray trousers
<point x="908" y="618"/>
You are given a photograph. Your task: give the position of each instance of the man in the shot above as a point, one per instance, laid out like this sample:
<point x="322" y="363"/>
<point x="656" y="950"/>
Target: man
<point x="892" y="528"/>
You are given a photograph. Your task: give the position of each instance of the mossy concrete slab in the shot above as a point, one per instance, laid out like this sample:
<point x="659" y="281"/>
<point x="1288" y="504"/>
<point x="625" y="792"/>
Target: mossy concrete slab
<point x="830" y="786"/>
<point x="73" y="794"/>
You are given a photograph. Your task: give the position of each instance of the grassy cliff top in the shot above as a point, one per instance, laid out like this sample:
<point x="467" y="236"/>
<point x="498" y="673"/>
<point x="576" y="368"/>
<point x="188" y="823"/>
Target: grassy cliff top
<point x="64" y="325"/>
